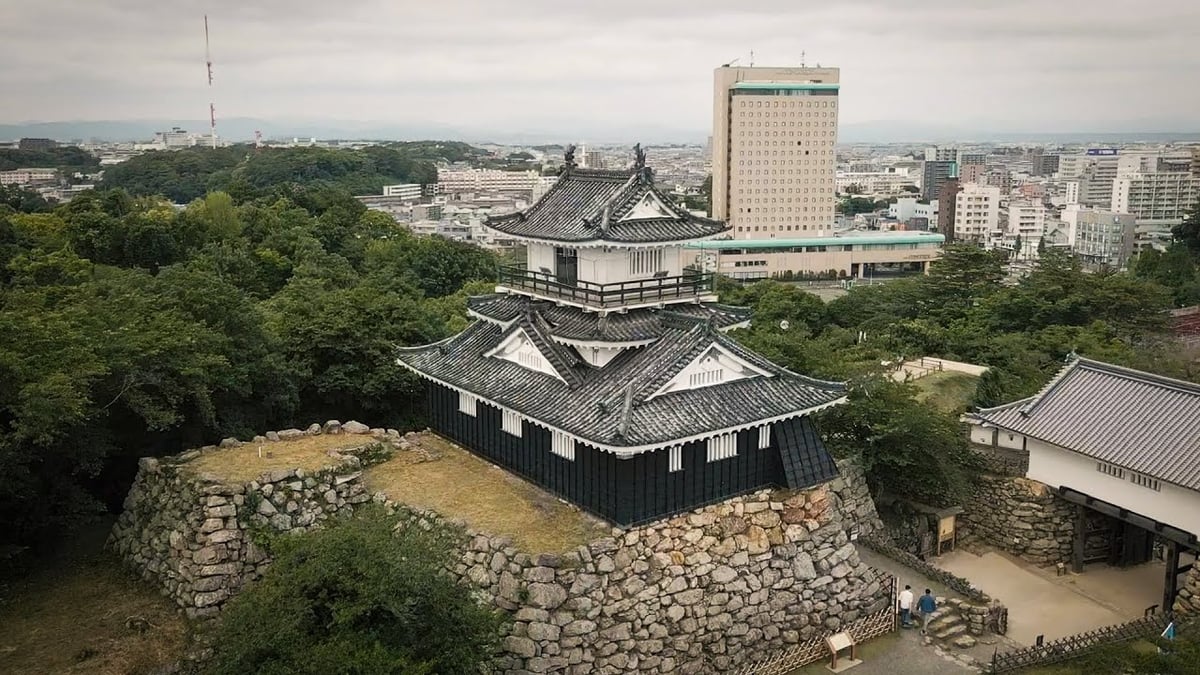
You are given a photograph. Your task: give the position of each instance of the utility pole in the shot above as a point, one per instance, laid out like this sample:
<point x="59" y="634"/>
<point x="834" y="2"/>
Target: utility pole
<point x="212" y="110"/>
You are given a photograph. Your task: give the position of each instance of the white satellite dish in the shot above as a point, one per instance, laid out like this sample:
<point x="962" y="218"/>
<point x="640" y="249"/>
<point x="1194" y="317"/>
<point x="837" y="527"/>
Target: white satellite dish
<point x="785" y="324"/>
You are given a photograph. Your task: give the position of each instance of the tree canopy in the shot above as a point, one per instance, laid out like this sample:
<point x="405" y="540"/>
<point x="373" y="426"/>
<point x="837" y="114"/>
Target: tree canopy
<point x="131" y="328"/>
<point x="360" y="597"/>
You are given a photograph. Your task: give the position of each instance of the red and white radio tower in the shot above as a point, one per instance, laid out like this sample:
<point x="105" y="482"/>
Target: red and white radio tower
<point x="212" y="110"/>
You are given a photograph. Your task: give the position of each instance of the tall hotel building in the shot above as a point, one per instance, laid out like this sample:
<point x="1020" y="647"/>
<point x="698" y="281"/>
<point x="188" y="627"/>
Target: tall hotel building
<point x="774" y="131"/>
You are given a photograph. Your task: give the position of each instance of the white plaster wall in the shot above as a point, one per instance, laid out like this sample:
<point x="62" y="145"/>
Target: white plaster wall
<point x="983" y="435"/>
<point x="1007" y="439"/>
<point x="538" y="256"/>
<point x="1058" y="467"/>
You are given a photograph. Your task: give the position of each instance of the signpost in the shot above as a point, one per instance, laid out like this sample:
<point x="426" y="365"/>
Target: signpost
<point x="836" y="643"/>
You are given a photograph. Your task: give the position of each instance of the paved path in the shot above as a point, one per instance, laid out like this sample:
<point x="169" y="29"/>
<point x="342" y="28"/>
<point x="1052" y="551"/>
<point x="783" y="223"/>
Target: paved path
<point x="902" y="652"/>
<point x="1036" y="605"/>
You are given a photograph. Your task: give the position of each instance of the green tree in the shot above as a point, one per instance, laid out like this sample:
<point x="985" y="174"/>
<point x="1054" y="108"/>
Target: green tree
<point x="360" y="597"/>
<point x="907" y="449"/>
<point x="1188" y="232"/>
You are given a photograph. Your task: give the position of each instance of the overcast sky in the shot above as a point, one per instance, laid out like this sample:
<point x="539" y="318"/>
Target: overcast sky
<point x="1050" y="65"/>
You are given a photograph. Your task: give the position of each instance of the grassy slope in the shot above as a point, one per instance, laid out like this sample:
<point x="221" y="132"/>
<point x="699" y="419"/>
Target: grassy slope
<point x="947" y="390"/>
<point x="70" y="617"/>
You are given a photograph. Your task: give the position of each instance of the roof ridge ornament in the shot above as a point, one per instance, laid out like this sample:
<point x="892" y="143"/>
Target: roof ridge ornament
<point x="639" y="164"/>
<point x="569" y="158"/>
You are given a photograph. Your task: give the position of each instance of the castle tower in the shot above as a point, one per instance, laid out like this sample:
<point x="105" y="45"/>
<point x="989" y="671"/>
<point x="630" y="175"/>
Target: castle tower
<point x="600" y="368"/>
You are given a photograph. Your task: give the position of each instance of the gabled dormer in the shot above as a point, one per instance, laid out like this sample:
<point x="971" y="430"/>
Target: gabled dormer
<point x="714" y="366"/>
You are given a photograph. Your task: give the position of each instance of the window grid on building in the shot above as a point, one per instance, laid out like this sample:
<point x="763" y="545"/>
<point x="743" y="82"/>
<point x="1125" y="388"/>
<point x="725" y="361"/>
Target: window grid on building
<point x="722" y="447"/>
<point x="1145" y="481"/>
<point x="467" y="404"/>
<point x="510" y="422"/>
<point x="646" y="262"/>
<point x="1110" y="469"/>
<point x="675" y="458"/>
<point x="562" y="445"/>
<point x="764" y="436"/>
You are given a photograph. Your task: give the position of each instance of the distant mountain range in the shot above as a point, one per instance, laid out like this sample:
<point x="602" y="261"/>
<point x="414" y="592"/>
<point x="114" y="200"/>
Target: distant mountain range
<point x="243" y="128"/>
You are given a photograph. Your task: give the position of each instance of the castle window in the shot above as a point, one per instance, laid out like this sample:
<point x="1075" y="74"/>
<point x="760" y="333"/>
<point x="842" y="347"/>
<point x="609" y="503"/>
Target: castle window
<point x="645" y="262"/>
<point x="722" y="447"/>
<point x="1104" y="467"/>
<point x="510" y="423"/>
<point x="1144" y="481"/>
<point x="675" y="458"/>
<point x="467" y="403"/>
<point x="562" y="445"/>
<point x="764" y="436"/>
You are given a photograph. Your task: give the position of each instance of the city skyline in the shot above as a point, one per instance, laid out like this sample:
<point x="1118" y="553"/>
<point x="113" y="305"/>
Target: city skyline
<point x="599" y="71"/>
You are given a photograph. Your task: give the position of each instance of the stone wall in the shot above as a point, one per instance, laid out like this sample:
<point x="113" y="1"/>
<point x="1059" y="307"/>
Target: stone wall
<point x="701" y="592"/>
<point x="1020" y="516"/>
<point x="1188" y="601"/>
<point x="698" y="593"/>
<point x="853" y="499"/>
<point x="192" y="534"/>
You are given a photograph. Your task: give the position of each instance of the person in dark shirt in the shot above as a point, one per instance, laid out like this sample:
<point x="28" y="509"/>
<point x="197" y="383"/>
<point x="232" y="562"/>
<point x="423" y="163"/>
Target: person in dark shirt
<point x="927" y="606"/>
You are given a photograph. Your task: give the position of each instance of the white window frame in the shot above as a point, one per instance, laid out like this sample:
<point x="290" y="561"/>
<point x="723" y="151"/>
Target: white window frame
<point x="468" y="404"/>
<point x="722" y="447"/>
<point x="675" y="458"/>
<point x="562" y="444"/>
<point x="646" y="261"/>
<point x="511" y="423"/>
<point x="764" y="437"/>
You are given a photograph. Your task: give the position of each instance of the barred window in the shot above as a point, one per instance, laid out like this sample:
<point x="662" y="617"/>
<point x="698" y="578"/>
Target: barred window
<point x="645" y="262"/>
<point x="562" y="445"/>
<point x="722" y="447"/>
<point x="510" y="423"/>
<point x="1110" y="469"/>
<point x="675" y="458"/>
<point x="467" y="403"/>
<point x="764" y="436"/>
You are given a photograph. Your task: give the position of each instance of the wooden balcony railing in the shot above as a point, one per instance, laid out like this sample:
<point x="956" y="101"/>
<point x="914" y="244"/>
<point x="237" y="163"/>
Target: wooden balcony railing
<point x="606" y="296"/>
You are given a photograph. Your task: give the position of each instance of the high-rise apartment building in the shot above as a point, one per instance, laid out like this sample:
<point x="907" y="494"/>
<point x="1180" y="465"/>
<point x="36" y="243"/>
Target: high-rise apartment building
<point x="941" y="153"/>
<point x="948" y="203"/>
<point x="774" y="131"/>
<point x="1024" y="231"/>
<point x="1158" y="199"/>
<point x="934" y="173"/>
<point x="976" y="212"/>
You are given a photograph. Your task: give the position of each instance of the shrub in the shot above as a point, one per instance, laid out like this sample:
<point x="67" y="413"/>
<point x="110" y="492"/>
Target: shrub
<point x="359" y="597"/>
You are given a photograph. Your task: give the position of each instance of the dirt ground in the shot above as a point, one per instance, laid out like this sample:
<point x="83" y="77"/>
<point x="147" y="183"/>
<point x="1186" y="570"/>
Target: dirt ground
<point x="458" y="484"/>
<point x="82" y="613"/>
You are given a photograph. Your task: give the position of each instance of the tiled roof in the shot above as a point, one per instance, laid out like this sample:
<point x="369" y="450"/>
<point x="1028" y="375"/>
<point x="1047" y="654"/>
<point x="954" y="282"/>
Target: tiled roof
<point x="1143" y="422"/>
<point x="586" y="205"/>
<point x="591" y="405"/>
<point x="636" y="325"/>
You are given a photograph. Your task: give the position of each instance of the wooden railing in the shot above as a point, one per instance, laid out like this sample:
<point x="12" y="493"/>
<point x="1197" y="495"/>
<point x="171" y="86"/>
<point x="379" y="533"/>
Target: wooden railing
<point x="1075" y="646"/>
<point x="589" y="294"/>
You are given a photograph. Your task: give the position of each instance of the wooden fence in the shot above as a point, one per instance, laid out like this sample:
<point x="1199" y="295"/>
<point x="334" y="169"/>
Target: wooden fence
<point x="881" y="622"/>
<point x="1075" y="646"/>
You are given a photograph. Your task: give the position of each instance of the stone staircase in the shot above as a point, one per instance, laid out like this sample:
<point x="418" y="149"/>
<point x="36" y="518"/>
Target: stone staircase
<point x="949" y="627"/>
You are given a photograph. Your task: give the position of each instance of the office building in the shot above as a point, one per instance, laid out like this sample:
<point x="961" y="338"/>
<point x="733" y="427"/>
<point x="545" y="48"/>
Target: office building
<point x="486" y="180"/>
<point x="948" y="198"/>
<point x="774" y="131"/>
<point x="1093" y="173"/>
<point x="1157" y="199"/>
<point x="941" y="154"/>
<point x="37" y="144"/>
<point x="28" y="176"/>
<point x="873" y="182"/>
<point x="976" y="213"/>
<point x="973" y="173"/>
<point x="175" y="138"/>
<point x="403" y="191"/>
<point x="965" y="157"/>
<point x="935" y="172"/>
<point x="1100" y="237"/>
<point x="854" y="254"/>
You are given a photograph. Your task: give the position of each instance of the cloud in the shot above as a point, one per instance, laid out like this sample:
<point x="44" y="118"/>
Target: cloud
<point x="583" y="67"/>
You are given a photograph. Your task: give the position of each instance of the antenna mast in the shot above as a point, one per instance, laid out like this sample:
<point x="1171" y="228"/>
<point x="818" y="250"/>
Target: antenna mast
<point x="212" y="110"/>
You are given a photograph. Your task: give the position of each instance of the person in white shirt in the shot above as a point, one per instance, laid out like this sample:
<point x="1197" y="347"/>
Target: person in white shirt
<point x="906" y="601"/>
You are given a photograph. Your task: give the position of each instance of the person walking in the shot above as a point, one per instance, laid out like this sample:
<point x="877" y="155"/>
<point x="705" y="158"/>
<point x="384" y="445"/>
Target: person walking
<point x="906" y="602"/>
<point x="926" y="605"/>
